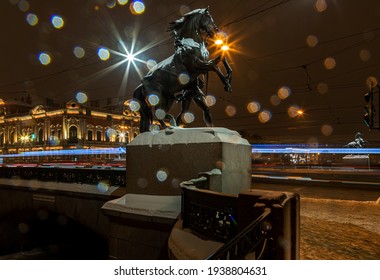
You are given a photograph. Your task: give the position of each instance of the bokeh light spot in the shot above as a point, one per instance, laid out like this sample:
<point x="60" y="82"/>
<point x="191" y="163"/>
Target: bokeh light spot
<point x="142" y="183"/>
<point x="210" y="100"/>
<point x="134" y="106"/>
<point x="329" y="63"/>
<point x="151" y="63"/>
<point x="137" y="7"/>
<point x="230" y="110"/>
<point x="184" y="10"/>
<point x="293" y="111"/>
<point x="79" y="52"/>
<point x="103" y="54"/>
<point x="160" y="114"/>
<point x="321" y="5"/>
<point x="275" y="100"/>
<point x="23" y="5"/>
<point x="42" y="214"/>
<point x="62" y="220"/>
<point x="365" y="55"/>
<point x="312" y="41"/>
<point x="153" y="99"/>
<point x="253" y="107"/>
<point x="161" y="175"/>
<point x="322" y="88"/>
<point x="44" y="58"/>
<point x="371" y="82"/>
<point x="111" y="4"/>
<point x="327" y="129"/>
<point x="188" y="117"/>
<point x="183" y="78"/>
<point x="81" y="97"/>
<point x="265" y="116"/>
<point x="284" y="92"/>
<point x="154" y="129"/>
<point x="102" y="186"/>
<point x="23" y="228"/>
<point x="122" y="2"/>
<point x="111" y="133"/>
<point x="57" y="21"/>
<point x="32" y="19"/>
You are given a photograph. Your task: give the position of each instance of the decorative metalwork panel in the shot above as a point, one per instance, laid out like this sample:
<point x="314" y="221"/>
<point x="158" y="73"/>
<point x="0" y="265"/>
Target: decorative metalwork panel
<point x="217" y="224"/>
<point x="254" y="242"/>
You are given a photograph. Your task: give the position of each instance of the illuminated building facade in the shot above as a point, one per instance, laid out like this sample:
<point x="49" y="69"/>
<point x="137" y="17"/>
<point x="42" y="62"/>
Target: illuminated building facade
<point x="24" y="127"/>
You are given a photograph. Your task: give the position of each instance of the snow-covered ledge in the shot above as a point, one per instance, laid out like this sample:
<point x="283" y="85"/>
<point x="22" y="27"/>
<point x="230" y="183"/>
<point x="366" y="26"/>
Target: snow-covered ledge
<point x="140" y="225"/>
<point x="158" y="162"/>
<point x="140" y="207"/>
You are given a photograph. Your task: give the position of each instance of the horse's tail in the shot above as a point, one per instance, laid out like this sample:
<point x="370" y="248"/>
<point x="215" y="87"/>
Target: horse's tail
<point x="146" y="116"/>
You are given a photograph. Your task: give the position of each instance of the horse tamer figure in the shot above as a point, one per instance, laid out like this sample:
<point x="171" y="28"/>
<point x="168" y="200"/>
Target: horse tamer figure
<point x="181" y="71"/>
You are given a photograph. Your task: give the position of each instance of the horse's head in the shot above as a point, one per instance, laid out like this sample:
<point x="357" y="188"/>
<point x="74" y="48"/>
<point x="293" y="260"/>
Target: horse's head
<point x="207" y="24"/>
<point x="198" y="22"/>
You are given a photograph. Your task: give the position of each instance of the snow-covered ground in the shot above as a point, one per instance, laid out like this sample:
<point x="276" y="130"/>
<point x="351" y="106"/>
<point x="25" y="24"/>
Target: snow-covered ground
<point x="340" y="229"/>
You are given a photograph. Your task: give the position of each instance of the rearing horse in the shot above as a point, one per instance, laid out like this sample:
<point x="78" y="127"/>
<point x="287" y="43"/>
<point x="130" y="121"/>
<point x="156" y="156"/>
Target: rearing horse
<point x="180" y="71"/>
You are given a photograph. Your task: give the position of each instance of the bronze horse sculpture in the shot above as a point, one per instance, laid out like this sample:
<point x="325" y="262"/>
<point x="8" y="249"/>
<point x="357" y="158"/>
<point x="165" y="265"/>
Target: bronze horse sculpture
<point x="180" y="72"/>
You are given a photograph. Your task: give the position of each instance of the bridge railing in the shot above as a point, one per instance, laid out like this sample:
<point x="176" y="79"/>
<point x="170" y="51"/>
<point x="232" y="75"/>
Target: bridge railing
<point x="255" y="241"/>
<point x="112" y="177"/>
<point x="254" y="224"/>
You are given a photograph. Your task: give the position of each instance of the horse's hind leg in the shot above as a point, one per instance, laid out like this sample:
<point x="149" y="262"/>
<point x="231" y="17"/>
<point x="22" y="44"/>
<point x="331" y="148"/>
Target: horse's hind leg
<point x="201" y="102"/>
<point x="184" y="109"/>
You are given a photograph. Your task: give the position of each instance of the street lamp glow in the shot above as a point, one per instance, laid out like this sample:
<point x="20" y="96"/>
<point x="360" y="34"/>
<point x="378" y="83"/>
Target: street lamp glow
<point x="219" y="42"/>
<point x="225" y="48"/>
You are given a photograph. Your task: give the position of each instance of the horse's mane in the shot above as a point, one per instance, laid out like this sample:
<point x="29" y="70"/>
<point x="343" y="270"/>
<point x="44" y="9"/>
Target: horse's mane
<point x="187" y="25"/>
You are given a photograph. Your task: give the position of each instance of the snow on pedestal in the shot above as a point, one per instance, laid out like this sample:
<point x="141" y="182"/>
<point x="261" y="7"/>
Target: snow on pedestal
<point x="158" y="162"/>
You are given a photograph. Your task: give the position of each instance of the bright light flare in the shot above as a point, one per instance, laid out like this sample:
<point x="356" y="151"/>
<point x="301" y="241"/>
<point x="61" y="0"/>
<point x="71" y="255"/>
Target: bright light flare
<point x="225" y="48"/>
<point x="130" y="57"/>
<point x="218" y="42"/>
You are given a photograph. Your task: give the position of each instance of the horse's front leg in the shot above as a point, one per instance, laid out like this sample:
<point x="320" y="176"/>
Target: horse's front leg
<point x="229" y="72"/>
<point x="211" y="65"/>
<point x="226" y="80"/>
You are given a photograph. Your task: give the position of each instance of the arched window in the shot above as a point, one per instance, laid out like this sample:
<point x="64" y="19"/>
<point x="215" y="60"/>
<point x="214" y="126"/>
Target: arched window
<point x="73" y="134"/>
<point x="98" y="135"/>
<point x="40" y="138"/>
<point x="89" y="135"/>
<point x="1" y="139"/>
<point x="12" y="137"/>
<point x="59" y="134"/>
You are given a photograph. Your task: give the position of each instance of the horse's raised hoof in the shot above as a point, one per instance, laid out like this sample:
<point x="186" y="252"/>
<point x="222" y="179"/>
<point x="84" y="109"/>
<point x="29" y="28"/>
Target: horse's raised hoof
<point x="228" y="88"/>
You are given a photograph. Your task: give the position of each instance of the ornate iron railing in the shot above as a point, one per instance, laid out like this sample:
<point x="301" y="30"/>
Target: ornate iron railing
<point x="253" y="242"/>
<point x="210" y="215"/>
<point x="112" y="177"/>
<point x="254" y="224"/>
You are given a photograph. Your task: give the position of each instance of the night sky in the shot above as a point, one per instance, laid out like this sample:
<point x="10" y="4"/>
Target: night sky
<point x="287" y="55"/>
